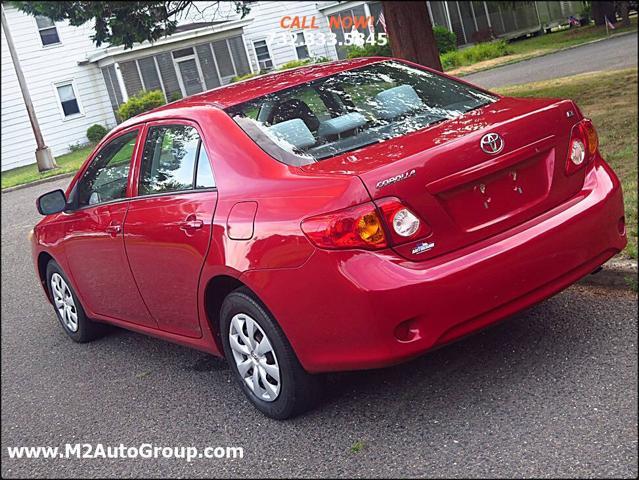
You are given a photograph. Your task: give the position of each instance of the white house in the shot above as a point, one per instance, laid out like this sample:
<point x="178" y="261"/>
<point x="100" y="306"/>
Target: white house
<point x="74" y="85"/>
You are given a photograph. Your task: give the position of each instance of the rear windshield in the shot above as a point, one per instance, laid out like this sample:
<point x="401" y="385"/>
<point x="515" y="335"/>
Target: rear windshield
<point x="352" y="109"/>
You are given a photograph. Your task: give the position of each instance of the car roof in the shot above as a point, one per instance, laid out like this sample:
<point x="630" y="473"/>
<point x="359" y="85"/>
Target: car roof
<point x="245" y="90"/>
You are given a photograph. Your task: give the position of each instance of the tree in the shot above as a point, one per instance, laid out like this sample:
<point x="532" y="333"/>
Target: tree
<point x="123" y="23"/>
<point x="601" y="10"/>
<point x="411" y="33"/>
<point x="624" y="11"/>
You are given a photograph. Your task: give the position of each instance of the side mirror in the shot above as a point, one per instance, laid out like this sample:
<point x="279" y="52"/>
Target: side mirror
<point x="51" y="202"/>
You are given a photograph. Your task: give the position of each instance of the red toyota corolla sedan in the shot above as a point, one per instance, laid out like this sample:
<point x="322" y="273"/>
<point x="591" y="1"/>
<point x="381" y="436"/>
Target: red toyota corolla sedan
<point x="342" y="216"/>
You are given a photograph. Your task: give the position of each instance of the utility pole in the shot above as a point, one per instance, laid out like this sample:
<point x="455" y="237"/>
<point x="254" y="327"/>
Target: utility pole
<point x="44" y="157"/>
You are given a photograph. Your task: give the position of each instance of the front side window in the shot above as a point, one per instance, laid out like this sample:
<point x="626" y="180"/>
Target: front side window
<point x="352" y="109"/>
<point x="106" y="177"/>
<point x="47" y="30"/>
<point x="68" y="99"/>
<point x="263" y="55"/>
<point x="170" y="159"/>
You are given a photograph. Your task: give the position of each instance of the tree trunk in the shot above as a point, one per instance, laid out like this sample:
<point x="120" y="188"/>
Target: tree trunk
<point x="411" y="33"/>
<point x="600" y="10"/>
<point x="624" y="11"/>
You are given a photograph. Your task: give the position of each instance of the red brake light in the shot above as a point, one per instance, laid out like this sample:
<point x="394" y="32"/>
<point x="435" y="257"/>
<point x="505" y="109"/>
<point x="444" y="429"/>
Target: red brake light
<point x="583" y="145"/>
<point x="403" y="224"/>
<point x="355" y="227"/>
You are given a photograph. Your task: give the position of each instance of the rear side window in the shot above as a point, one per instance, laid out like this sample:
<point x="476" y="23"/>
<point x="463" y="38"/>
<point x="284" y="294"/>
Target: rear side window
<point x="170" y="161"/>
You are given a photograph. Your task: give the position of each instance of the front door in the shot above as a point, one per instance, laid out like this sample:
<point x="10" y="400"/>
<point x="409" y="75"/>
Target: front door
<point x="168" y="226"/>
<point x="190" y="76"/>
<point x="94" y="243"/>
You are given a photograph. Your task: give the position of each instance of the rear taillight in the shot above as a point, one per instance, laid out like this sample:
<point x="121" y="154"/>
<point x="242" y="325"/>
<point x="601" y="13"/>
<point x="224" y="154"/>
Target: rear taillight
<point x="583" y="145"/>
<point x="363" y="227"/>
<point x="355" y="227"/>
<point x="403" y="224"/>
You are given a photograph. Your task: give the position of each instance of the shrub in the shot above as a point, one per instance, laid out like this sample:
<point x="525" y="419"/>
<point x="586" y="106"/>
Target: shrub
<point x="446" y="40"/>
<point x="74" y="147"/>
<point x="369" y="50"/>
<point x="294" y="64"/>
<point x="175" y="96"/>
<point x="142" y="102"/>
<point x="96" y="132"/>
<point x="474" y="54"/>
<point x="246" y="76"/>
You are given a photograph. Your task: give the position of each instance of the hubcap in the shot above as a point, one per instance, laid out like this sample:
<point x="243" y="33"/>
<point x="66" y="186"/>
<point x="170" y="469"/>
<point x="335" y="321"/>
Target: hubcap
<point x="64" y="303"/>
<point x="254" y="357"/>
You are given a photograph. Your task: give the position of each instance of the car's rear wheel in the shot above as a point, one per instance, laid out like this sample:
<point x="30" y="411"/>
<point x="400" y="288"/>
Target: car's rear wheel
<point x="262" y="359"/>
<point x="68" y="308"/>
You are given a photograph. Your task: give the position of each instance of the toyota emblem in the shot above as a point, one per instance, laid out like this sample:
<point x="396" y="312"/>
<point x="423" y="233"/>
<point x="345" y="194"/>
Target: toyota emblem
<point x="492" y="143"/>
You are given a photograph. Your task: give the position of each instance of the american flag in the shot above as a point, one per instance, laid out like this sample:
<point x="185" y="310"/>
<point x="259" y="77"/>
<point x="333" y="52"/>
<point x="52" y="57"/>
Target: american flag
<point x="609" y="24"/>
<point x="382" y="21"/>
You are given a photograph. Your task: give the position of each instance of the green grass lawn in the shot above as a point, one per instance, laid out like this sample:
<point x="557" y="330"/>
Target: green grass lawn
<point x="492" y="54"/>
<point x="66" y="164"/>
<point x="610" y="99"/>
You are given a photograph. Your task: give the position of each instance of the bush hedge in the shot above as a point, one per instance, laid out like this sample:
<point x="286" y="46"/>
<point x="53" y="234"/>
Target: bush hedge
<point x="142" y="102"/>
<point x="96" y="132"/>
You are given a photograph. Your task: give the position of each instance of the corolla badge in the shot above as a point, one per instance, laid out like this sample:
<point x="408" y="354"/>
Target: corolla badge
<point x="395" y="179"/>
<point x="492" y="143"/>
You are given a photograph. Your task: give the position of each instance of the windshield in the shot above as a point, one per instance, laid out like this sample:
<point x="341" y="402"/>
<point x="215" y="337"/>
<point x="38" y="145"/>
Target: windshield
<point x="352" y="109"/>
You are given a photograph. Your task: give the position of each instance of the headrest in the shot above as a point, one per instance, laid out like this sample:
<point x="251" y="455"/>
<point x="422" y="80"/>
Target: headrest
<point x="397" y="101"/>
<point x="294" y="132"/>
<point x="341" y="124"/>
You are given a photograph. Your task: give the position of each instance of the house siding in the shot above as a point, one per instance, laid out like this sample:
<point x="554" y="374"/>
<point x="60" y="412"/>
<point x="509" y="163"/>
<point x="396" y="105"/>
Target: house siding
<point x="43" y="67"/>
<point x="266" y="19"/>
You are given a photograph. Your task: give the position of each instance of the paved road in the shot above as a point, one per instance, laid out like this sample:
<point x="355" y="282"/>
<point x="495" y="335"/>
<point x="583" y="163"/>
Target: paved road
<point x="551" y="392"/>
<point x="620" y="52"/>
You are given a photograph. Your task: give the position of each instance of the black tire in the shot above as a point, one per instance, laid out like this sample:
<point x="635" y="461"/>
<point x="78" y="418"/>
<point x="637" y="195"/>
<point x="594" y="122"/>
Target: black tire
<point x="299" y="390"/>
<point x="87" y="330"/>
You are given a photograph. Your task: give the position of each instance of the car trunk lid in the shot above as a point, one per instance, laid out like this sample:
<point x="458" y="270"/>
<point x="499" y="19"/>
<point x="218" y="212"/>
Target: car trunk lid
<point x="466" y="193"/>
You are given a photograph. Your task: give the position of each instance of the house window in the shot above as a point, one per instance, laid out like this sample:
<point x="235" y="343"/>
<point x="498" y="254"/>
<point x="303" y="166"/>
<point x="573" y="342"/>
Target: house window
<point x="68" y="99"/>
<point x="300" y="46"/>
<point x="263" y="55"/>
<point x="48" y="31"/>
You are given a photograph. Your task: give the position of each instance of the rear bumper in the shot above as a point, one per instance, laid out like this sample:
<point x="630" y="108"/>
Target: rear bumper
<point x="342" y="310"/>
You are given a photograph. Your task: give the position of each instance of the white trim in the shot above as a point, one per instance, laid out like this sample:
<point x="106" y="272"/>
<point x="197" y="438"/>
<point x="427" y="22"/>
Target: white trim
<point x="472" y="11"/>
<point x="490" y="24"/>
<point x="295" y="45"/>
<point x="270" y="56"/>
<point x="64" y="83"/>
<point x="51" y="45"/>
<point x="248" y="57"/>
<point x="217" y="69"/>
<point x="137" y="67"/>
<point x="430" y="14"/>
<point x="159" y="74"/>
<point x="178" y="72"/>
<point x="228" y="49"/>
<point x="118" y="75"/>
<point x="448" y="20"/>
<point x="461" y="22"/>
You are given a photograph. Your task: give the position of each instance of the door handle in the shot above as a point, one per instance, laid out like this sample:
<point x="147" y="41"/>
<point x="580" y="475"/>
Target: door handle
<point x="114" y="228"/>
<point x="191" y="223"/>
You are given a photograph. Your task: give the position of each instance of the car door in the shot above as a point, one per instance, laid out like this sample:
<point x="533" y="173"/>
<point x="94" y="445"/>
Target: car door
<point x="94" y="242"/>
<point x="168" y="225"/>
